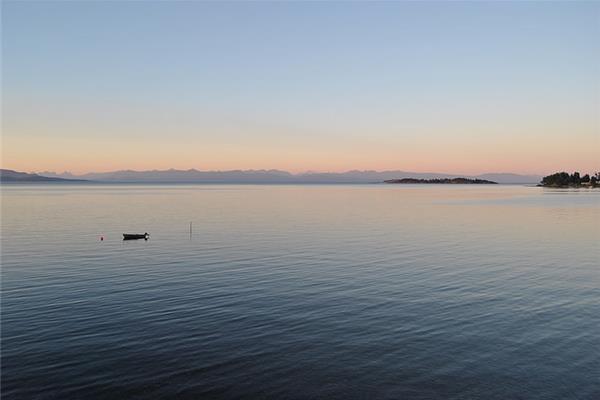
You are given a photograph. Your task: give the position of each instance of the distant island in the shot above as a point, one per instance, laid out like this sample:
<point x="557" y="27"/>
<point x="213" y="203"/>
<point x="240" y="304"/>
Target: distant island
<point x="8" y="175"/>
<point x="455" y="181"/>
<point x="574" y="180"/>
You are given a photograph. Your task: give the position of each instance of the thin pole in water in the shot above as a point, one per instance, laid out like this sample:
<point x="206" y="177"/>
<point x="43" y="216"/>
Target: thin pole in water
<point x="190" y="229"/>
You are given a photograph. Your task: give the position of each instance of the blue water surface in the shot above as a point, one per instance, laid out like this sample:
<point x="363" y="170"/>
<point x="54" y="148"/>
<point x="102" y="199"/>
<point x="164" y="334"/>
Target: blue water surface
<point x="300" y="292"/>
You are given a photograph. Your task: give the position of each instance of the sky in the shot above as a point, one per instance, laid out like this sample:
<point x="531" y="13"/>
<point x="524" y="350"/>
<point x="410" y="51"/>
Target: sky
<point x="455" y="87"/>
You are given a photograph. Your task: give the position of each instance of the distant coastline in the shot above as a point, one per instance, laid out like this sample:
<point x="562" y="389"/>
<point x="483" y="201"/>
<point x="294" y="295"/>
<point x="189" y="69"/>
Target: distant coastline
<point x="10" y="176"/>
<point x="453" y="181"/>
<point x="556" y="180"/>
<point x="270" y="176"/>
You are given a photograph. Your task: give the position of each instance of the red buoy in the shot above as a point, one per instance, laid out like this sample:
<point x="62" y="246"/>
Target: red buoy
<point x="101" y="238"/>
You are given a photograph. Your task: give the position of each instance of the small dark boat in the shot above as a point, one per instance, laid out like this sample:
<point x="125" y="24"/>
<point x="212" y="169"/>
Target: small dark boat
<point x="135" y="236"/>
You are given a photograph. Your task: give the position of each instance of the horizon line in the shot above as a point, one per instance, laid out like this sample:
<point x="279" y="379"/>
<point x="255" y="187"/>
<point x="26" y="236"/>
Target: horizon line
<point x="299" y="173"/>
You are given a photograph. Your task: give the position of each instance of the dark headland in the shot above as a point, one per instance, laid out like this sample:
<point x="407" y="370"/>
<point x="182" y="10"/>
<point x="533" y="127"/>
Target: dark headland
<point x="574" y="180"/>
<point x="456" y="181"/>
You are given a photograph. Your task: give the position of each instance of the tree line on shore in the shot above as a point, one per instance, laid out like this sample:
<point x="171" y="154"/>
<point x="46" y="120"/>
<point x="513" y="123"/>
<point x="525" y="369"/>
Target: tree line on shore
<point x="563" y="179"/>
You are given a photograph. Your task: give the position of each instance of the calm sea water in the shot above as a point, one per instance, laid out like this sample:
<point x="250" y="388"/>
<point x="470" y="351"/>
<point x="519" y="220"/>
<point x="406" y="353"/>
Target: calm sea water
<point x="300" y="292"/>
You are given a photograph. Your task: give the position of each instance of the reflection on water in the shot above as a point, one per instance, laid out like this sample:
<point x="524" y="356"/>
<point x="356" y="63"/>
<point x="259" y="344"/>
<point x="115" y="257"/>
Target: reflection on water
<point x="291" y="291"/>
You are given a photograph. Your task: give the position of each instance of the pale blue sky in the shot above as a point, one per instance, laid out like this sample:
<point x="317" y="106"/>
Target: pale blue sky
<point x="321" y="86"/>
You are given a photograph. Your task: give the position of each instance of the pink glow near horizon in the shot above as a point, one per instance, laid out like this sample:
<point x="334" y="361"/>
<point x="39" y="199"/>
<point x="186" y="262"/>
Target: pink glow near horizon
<point x="470" y="91"/>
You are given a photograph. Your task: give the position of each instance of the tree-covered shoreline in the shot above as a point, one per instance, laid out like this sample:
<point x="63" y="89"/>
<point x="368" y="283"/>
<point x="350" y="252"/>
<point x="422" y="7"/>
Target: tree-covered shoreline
<point x="574" y="180"/>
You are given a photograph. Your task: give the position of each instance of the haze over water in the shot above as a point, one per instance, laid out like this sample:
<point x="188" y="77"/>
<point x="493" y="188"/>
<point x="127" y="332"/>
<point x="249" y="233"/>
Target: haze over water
<point x="291" y="291"/>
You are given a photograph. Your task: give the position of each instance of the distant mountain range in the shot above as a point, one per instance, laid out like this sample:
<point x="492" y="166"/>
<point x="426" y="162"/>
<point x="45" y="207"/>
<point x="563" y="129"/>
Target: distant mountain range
<point x="276" y="176"/>
<point x="8" y="175"/>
